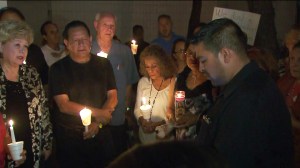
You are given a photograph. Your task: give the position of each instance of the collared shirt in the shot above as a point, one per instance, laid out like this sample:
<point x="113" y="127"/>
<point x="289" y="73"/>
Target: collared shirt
<point x="125" y="72"/>
<point x="249" y="123"/>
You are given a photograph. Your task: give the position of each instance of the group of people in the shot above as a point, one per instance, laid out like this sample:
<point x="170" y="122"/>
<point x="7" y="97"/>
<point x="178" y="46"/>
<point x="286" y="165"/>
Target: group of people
<point x="235" y="115"/>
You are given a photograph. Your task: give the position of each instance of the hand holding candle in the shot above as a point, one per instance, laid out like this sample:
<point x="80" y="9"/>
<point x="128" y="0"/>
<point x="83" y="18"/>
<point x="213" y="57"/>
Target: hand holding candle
<point x="86" y="115"/>
<point x="12" y="133"/>
<point x="134" y="47"/>
<point x="145" y="108"/>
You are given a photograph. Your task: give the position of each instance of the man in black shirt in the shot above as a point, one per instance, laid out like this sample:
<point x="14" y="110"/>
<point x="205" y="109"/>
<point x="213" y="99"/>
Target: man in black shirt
<point x="249" y="123"/>
<point x="77" y="81"/>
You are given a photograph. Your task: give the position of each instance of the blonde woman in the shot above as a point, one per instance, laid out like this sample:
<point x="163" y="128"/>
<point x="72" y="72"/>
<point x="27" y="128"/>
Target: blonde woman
<point x="158" y="72"/>
<point x="22" y="95"/>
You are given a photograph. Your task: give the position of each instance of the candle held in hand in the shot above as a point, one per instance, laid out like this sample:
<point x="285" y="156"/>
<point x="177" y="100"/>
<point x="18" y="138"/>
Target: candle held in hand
<point x="12" y="133"/>
<point x="145" y="108"/>
<point x="134" y="47"/>
<point x="86" y="115"/>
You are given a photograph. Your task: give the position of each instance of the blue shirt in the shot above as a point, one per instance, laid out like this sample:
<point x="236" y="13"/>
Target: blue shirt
<point x="125" y="72"/>
<point x="167" y="45"/>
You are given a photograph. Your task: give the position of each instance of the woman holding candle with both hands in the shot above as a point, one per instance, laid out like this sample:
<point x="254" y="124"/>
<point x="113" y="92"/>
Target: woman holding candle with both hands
<point x="159" y="72"/>
<point x="21" y="93"/>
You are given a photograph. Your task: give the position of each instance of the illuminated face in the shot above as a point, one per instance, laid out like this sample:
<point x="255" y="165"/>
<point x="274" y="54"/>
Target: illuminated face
<point x="79" y="42"/>
<point x="15" y="51"/>
<point x="295" y="63"/>
<point x="152" y="68"/>
<point x="106" y="27"/>
<point x="52" y="35"/>
<point x="211" y="65"/>
<point x="191" y="60"/>
<point x="179" y="52"/>
<point x="165" y="27"/>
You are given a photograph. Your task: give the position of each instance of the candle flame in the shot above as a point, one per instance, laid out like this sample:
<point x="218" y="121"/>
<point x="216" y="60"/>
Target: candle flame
<point x="133" y="42"/>
<point x="11" y="122"/>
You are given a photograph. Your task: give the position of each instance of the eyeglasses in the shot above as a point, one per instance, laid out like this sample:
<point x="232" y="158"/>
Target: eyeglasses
<point x="79" y="41"/>
<point x="180" y="51"/>
<point x="112" y="27"/>
<point x="190" y="53"/>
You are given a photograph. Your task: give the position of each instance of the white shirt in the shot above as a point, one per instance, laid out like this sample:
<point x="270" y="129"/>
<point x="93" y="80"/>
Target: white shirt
<point x="49" y="52"/>
<point x="159" y="108"/>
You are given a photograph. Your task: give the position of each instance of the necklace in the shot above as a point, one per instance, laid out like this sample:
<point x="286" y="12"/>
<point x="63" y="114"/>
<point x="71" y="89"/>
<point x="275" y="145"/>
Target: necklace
<point x="154" y="97"/>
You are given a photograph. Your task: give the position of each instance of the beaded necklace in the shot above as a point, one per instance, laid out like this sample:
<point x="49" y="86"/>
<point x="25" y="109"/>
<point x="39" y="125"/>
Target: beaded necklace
<point x="154" y="97"/>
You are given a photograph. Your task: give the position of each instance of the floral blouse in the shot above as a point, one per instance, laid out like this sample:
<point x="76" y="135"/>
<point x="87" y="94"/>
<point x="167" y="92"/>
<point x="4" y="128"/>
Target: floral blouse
<point x="38" y="110"/>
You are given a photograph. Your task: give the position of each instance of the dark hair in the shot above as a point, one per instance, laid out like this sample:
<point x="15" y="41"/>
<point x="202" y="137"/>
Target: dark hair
<point x="12" y="10"/>
<point x="169" y="154"/>
<point x="42" y="30"/>
<point x="221" y="33"/>
<point x="174" y="46"/>
<point x="165" y="63"/>
<point x="164" y="16"/>
<point x="136" y="28"/>
<point x="74" y="24"/>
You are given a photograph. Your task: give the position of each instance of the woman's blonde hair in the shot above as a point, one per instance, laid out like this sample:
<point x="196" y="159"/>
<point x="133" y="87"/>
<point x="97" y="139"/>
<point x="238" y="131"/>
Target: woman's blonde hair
<point x="11" y="29"/>
<point x="165" y="63"/>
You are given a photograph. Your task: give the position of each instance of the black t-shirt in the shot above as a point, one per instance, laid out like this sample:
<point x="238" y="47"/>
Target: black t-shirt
<point x="204" y="88"/>
<point x="84" y="83"/>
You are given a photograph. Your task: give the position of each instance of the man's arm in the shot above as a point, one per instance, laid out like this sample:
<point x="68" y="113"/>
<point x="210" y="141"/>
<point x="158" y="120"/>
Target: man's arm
<point x="112" y="99"/>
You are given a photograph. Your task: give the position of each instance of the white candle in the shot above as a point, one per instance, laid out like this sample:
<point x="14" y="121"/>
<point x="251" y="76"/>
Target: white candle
<point x="145" y="108"/>
<point x="86" y="115"/>
<point x="102" y="54"/>
<point x="143" y="100"/>
<point x="134" y="47"/>
<point x="12" y="133"/>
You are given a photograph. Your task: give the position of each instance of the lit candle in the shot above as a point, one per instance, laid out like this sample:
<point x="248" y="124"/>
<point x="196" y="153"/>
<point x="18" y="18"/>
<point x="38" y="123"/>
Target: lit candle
<point x="145" y="108"/>
<point x="143" y="100"/>
<point x="102" y="54"/>
<point x="12" y="133"/>
<point x="86" y="115"/>
<point x="134" y="47"/>
<point x="179" y="95"/>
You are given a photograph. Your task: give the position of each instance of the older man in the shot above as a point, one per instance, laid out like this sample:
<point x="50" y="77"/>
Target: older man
<point x="125" y="72"/>
<point x="249" y="123"/>
<point x="77" y="81"/>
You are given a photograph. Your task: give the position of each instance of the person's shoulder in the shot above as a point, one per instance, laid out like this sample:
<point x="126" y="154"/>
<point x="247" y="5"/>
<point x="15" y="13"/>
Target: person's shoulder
<point x="28" y="69"/>
<point x="144" y="79"/>
<point x="156" y="40"/>
<point x="60" y="62"/>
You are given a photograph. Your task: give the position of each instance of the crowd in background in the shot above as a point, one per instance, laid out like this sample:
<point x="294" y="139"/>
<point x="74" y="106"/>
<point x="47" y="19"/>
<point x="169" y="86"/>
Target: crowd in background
<point x="241" y="103"/>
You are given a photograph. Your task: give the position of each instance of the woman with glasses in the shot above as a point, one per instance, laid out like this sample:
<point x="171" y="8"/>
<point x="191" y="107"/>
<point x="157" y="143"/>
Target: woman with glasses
<point x="178" y="54"/>
<point x="158" y="72"/>
<point x="198" y="96"/>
